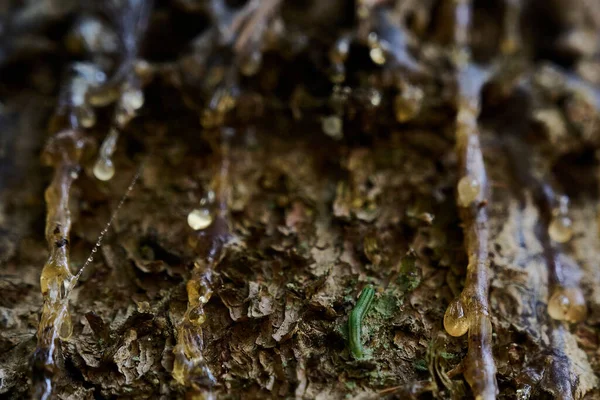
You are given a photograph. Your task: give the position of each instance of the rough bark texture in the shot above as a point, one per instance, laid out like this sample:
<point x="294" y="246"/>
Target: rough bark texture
<point x="307" y="212"/>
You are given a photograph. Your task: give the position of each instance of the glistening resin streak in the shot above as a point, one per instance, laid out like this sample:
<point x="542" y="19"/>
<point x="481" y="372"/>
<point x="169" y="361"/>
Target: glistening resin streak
<point x="190" y="368"/>
<point x="131" y="19"/>
<point x="63" y="152"/>
<point x="470" y="312"/>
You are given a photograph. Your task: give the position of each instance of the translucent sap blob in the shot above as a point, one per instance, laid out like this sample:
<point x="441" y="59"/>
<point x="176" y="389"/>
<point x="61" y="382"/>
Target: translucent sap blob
<point x="468" y="189"/>
<point x="332" y="126"/>
<point x="104" y="169"/>
<point x="377" y="55"/>
<point x="567" y="304"/>
<point x="199" y="218"/>
<point x="133" y="99"/>
<point x="456" y="322"/>
<point x="560" y="229"/>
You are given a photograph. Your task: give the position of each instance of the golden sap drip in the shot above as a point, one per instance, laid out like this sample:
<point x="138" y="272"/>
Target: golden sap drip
<point x="560" y="229"/>
<point x="567" y="304"/>
<point x="199" y="219"/>
<point x="456" y="321"/>
<point x="468" y="189"/>
<point x="104" y="169"/>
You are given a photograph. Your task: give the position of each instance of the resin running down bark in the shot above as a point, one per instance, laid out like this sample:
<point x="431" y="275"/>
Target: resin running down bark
<point x="566" y="302"/>
<point x="470" y="311"/>
<point x="63" y="152"/>
<point x="211" y="226"/>
<point x="125" y="87"/>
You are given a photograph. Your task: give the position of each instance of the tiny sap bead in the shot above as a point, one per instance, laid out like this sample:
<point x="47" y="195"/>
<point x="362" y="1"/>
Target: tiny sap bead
<point x="132" y="99"/>
<point x="332" y="126"/>
<point x="560" y="229"/>
<point x="468" y="189"/>
<point x="377" y="55"/>
<point x="456" y="322"/>
<point x="104" y="169"/>
<point x="377" y="52"/>
<point x="567" y="304"/>
<point x="199" y="219"/>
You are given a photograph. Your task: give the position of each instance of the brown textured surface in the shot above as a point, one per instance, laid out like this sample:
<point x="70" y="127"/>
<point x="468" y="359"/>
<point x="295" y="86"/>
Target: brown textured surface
<point x="312" y="219"/>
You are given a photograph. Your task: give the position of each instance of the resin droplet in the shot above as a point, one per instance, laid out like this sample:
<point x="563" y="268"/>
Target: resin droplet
<point x="377" y="55"/>
<point x="567" y="304"/>
<point x="560" y="229"/>
<point x="132" y="99"/>
<point x="104" y="169"/>
<point x="332" y="126"/>
<point x="377" y="52"/>
<point x="468" y="190"/>
<point x="199" y="219"/>
<point x="456" y="322"/>
<point x="204" y="299"/>
<point x="375" y="98"/>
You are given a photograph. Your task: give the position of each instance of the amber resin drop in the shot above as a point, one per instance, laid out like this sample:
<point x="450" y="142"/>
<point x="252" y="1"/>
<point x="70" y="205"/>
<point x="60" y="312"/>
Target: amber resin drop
<point x="199" y="219"/>
<point x="560" y="229"/>
<point x="377" y="55"/>
<point x="567" y="304"/>
<point x="104" y="169"/>
<point x="132" y="99"/>
<point x="456" y="322"/>
<point x="468" y="190"/>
